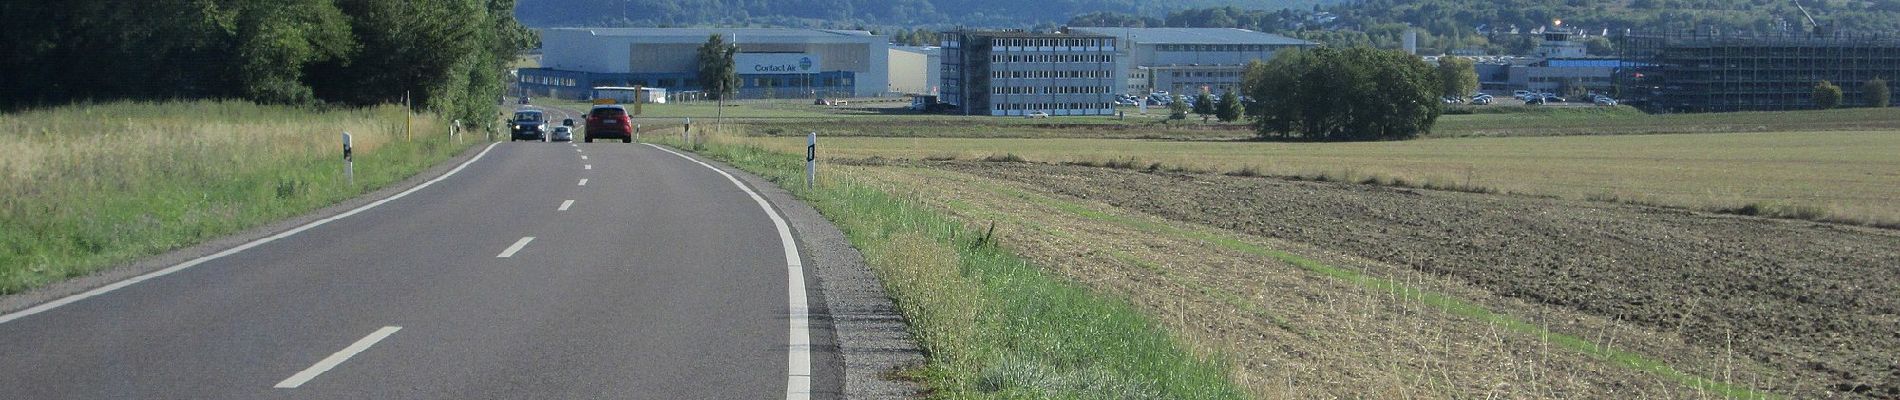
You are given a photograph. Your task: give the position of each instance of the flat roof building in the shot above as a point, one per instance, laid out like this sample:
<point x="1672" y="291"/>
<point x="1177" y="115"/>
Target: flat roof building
<point x="1019" y="73"/>
<point x="1186" y="60"/>
<point x="772" y="63"/>
<point x="915" y="69"/>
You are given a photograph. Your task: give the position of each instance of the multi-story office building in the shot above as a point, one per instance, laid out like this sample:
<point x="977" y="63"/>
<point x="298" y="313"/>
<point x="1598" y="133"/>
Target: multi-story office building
<point x="1019" y="73"/>
<point x="1189" y="60"/>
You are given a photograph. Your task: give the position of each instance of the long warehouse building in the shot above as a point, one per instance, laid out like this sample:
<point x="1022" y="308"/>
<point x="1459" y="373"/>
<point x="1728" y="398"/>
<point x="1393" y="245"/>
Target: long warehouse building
<point x="772" y="63"/>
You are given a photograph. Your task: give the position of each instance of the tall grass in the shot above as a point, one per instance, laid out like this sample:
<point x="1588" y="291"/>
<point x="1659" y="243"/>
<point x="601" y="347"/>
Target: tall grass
<point x="85" y="187"/>
<point x="992" y="325"/>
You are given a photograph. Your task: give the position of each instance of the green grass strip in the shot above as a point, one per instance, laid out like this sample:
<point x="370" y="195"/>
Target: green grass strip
<point x="1437" y="300"/>
<point x="992" y="324"/>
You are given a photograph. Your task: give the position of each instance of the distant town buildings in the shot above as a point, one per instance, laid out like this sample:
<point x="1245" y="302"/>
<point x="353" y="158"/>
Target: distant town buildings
<point x="1189" y="60"/>
<point x="1028" y="73"/>
<point x="1559" y="63"/>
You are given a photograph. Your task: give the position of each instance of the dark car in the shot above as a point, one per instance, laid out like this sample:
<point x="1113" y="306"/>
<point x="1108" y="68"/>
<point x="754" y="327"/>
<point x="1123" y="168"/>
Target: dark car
<point x="528" y="125"/>
<point x="609" y="122"/>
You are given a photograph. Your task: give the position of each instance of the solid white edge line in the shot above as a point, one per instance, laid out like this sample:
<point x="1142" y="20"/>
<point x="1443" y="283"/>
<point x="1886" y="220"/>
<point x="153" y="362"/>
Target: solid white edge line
<point x="583" y="182"/>
<point x="43" y="307"/>
<point x="337" y="359"/>
<point x="798" y="349"/>
<point x="565" y="205"/>
<point x="510" y="251"/>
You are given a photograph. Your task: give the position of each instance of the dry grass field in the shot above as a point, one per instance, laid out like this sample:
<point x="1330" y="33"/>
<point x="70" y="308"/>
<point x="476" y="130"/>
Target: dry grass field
<point x="1845" y="175"/>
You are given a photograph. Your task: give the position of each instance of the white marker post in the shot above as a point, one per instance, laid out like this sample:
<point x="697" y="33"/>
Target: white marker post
<point x="636" y="132"/>
<point x="686" y="134"/>
<point x="811" y="159"/>
<point x="349" y="160"/>
<point x="453" y="133"/>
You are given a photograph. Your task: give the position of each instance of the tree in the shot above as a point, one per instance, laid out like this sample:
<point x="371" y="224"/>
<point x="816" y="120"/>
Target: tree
<point x="1827" y="95"/>
<point x="1344" y="94"/>
<point x="1177" y="107"/>
<point x="1228" y="109"/>
<point x="1203" y="106"/>
<point x="1457" y="76"/>
<point x="1877" y="93"/>
<point x="718" y="75"/>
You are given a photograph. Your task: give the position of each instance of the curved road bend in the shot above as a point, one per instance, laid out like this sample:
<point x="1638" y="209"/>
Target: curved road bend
<point x="647" y="276"/>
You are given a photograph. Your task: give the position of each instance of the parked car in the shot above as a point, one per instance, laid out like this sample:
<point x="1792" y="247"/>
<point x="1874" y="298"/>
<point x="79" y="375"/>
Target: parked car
<point x="1481" y="101"/>
<point x="528" y="124"/>
<point x="1036" y="114"/>
<point x="522" y="100"/>
<point x="609" y="121"/>
<point x="562" y="134"/>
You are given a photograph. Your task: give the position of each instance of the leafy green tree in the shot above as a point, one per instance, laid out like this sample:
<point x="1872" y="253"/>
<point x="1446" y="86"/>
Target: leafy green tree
<point x="1228" y="109"/>
<point x="1177" y="107"/>
<point x="1826" y="95"/>
<point x="277" y="40"/>
<point x="718" y="75"/>
<point x="1457" y="76"/>
<point x="1203" y="106"/>
<point x="1344" y="94"/>
<point x="1878" y="94"/>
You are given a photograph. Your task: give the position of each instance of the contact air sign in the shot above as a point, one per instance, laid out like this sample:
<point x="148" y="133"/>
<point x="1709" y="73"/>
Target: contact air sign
<point x="777" y="63"/>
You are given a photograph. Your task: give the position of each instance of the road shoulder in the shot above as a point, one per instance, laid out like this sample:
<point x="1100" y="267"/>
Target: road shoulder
<point x="865" y="330"/>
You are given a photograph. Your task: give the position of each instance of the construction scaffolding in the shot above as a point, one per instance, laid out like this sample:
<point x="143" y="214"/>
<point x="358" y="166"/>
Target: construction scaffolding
<point x="1706" y="71"/>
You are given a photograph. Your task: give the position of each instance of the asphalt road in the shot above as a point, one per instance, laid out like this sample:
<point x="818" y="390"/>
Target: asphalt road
<point x="648" y="275"/>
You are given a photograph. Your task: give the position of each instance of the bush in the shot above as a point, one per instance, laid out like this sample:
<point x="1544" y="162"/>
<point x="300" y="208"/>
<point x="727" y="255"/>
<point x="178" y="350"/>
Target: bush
<point x="1877" y="93"/>
<point x="1826" y="95"/>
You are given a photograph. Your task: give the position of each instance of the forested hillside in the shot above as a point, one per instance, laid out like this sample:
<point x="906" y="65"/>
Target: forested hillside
<point x="852" y="13"/>
<point x="445" y="55"/>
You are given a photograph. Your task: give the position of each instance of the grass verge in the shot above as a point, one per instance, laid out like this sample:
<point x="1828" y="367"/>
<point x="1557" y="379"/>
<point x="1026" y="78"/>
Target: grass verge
<point x="991" y="324"/>
<point x="86" y="187"/>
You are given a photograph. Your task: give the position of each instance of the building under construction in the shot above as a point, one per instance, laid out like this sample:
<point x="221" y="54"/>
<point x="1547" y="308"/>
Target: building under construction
<point x="1713" y="72"/>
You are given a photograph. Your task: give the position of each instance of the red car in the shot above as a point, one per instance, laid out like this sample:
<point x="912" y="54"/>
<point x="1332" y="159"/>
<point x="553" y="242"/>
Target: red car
<point x="609" y="122"/>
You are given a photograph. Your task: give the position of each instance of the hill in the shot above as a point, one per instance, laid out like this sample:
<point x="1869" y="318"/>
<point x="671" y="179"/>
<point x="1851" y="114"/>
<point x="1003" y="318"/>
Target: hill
<point x="853" y="13"/>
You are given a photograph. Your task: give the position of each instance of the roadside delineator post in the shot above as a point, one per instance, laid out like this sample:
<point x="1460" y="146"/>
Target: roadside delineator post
<point x="349" y="160"/>
<point x="811" y="159"/>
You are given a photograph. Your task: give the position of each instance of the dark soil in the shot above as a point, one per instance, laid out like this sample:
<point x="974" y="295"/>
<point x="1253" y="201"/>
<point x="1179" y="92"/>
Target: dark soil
<point x="1819" y="301"/>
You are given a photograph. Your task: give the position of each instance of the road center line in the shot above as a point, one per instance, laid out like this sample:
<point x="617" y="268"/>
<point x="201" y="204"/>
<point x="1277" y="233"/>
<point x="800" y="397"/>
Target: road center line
<point x="334" y="359"/>
<point x="510" y="252"/>
<point x="588" y="166"/>
<point x="566" y="204"/>
<point x="798" y="342"/>
<point x="583" y="157"/>
<point x="583" y="182"/>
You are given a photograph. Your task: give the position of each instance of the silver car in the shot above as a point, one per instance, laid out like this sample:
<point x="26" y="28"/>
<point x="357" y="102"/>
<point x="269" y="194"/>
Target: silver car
<point x="561" y="134"/>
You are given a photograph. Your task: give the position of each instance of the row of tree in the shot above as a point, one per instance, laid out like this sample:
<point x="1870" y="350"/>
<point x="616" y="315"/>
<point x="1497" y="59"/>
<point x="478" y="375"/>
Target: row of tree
<point x="445" y="55"/>
<point x="1875" y="93"/>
